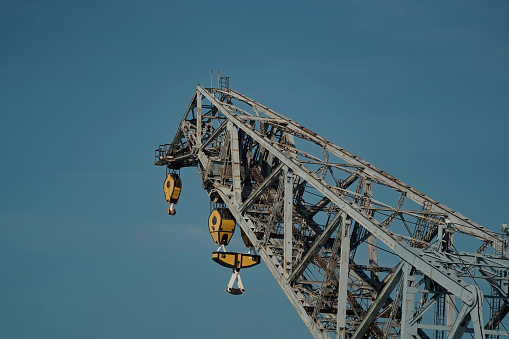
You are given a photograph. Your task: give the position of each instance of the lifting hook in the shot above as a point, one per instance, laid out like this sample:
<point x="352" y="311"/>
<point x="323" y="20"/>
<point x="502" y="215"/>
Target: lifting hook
<point x="232" y="290"/>
<point x="171" y="210"/>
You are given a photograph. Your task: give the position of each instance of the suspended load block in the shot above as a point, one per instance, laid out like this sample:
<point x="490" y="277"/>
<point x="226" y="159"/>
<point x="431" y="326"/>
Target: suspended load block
<point x="221" y="226"/>
<point x="172" y="187"/>
<point x="245" y="239"/>
<point x="236" y="260"/>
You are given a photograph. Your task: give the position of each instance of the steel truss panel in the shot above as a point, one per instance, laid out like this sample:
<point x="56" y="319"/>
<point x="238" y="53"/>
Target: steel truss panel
<point x="356" y="251"/>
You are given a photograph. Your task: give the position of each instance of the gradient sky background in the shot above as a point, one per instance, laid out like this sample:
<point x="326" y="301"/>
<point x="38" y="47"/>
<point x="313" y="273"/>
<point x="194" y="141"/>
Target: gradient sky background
<point x="88" y="90"/>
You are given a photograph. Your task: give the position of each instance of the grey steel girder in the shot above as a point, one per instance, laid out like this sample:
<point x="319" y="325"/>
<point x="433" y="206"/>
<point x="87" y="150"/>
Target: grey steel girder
<point x="456" y="286"/>
<point x="290" y="200"/>
<point x="460" y="221"/>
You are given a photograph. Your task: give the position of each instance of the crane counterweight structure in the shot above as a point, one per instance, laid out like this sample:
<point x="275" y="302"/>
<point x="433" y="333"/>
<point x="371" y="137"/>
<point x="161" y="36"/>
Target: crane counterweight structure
<point x="357" y="252"/>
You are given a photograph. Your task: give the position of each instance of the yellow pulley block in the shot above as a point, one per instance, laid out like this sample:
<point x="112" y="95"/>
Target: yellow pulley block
<point x="221" y="226"/>
<point x="236" y="260"/>
<point x="172" y="187"/>
<point x="245" y="239"/>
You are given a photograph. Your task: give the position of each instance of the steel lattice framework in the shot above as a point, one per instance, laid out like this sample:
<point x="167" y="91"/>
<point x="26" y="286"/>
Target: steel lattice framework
<point x="357" y="252"/>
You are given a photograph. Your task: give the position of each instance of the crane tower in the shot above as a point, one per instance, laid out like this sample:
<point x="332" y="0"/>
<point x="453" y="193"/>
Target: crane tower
<point x="356" y="251"/>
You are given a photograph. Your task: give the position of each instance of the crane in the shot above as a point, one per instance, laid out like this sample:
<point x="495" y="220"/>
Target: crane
<point x="324" y="220"/>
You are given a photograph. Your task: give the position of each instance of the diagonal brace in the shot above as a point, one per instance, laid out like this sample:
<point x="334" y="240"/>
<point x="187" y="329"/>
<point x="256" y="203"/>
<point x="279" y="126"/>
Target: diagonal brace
<point x="426" y="307"/>
<point x="263" y="186"/>
<point x="214" y="135"/>
<point x="378" y="303"/>
<point x="317" y="245"/>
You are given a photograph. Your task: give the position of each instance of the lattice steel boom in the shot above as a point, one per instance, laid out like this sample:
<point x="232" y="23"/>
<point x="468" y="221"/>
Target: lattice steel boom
<point x="357" y="252"/>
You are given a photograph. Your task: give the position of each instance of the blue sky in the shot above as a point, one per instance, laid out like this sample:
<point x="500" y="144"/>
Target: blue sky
<point x="89" y="89"/>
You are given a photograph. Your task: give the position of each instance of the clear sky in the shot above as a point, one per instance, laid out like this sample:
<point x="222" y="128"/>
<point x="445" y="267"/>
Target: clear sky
<point x="88" y="90"/>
